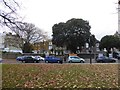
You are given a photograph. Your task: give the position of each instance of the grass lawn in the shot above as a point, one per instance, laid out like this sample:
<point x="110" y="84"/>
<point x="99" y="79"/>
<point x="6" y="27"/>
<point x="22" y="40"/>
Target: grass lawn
<point x="60" y="76"/>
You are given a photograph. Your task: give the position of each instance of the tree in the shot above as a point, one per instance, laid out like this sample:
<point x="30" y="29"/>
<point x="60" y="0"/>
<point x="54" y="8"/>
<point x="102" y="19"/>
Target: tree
<point x="72" y="34"/>
<point x="110" y="41"/>
<point x="92" y="40"/>
<point x="28" y="34"/>
<point x="59" y="34"/>
<point x="27" y="47"/>
<point x="8" y="12"/>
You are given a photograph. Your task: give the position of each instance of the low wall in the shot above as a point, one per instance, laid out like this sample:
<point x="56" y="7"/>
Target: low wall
<point x="10" y="55"/>
<point x="15" y="55"/>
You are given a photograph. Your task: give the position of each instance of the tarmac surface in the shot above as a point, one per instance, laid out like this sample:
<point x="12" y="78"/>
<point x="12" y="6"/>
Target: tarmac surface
<point x="14" y="61"/>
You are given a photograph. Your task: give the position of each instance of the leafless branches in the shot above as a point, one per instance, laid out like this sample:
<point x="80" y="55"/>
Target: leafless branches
<point x="8" y="12"/>
<point x="25" y="33"/>
<point x="29" y="32"/>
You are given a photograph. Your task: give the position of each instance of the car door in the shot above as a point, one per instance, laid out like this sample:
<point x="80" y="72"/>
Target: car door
<point x="51" y="59"/>
<point x="75" y="59"/>
<point x="106" y="59"/>
<point x="55" y="59"/>
<point x="29" y="58"/>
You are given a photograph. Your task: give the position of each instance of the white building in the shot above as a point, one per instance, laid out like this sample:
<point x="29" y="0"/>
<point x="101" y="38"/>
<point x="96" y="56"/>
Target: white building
<point x="2" y="41"/>
<point x="7" y="47"/>
<point x="1" y="44"/>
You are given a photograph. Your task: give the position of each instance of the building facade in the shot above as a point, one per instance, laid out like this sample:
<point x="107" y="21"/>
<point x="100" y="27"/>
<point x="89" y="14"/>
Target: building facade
<point x="9" y="43"/>
<point x="43" y="46"/>
<point x="2" y="46"/>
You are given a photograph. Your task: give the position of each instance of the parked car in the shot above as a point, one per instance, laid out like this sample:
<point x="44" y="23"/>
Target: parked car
<point x="53" y="59"/>
<point x="75" y="59"/>
<point x="39" y="58"/>
<point x="0" y="60"/>
<point x="105" y="59"/>
<point x="20" y="58"/>
<point x="28" y="59"/>
<point x="116" y="54"/>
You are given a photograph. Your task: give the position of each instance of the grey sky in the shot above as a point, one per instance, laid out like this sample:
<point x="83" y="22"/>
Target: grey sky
<point x="101" y="14"/>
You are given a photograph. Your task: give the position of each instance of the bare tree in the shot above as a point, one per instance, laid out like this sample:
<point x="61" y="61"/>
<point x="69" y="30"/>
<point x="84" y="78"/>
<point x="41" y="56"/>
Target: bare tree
<point x="8" y="12"/>
<point x="28" y="34"/>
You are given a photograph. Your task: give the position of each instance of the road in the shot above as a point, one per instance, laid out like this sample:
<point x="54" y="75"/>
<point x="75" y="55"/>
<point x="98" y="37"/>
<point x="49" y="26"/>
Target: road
<point x="13" y="61"/>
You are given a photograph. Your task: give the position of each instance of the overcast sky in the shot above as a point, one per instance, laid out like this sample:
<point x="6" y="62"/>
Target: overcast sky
<point x="101" y="14"/>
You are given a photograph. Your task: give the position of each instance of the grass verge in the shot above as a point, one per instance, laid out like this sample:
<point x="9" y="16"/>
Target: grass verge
<point x="59" y="76"/>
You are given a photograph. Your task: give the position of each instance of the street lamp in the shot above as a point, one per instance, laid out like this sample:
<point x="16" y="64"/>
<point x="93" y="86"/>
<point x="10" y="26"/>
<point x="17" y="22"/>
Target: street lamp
<point x="90" y="56"/>
<point x="90" y="51"/>
<point x="78" y="49"/>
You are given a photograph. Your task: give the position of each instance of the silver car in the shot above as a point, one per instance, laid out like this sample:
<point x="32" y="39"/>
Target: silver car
<point x="75" y="59"/>
<point x="39" y="58"/>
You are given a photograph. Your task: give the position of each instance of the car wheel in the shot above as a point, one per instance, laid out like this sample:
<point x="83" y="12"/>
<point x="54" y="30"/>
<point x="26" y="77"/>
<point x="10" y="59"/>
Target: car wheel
<point x="26" y="61"/>
<point x="118" y="58"/>
<point x="37" y="61"/>
<point x="113" y="61"/>
<point x="61" y="62"/>
<point x="58" y="61"/>
<point x="46" y="62"/>
<point x="70" y="61"/>
<point x="81" y="61"/>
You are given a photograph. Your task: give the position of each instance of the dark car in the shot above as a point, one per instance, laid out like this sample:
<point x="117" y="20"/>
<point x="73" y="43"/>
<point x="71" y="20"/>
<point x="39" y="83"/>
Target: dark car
<point x="53" y="59"/>
<point x="105" y="59"/>
<point x="27" y="59"/>
<point x="20" y="58"/>
<point x="116" y="55"/>
<point x="0" y="60"/>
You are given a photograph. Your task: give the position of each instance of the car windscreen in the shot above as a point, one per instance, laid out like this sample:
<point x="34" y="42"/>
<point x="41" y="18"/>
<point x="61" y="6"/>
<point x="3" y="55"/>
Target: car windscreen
<point x="74" y="57"/>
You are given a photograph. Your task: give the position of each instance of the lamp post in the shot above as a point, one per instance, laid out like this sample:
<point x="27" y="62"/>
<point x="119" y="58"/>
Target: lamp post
<point x="37" y="48"/>
<point x="90" y="51"/>
<point x="78" y="49"/>
<point x="90" y="56"/>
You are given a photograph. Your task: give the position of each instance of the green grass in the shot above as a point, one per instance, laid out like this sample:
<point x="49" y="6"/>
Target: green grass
<point x="60" y="76"/>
